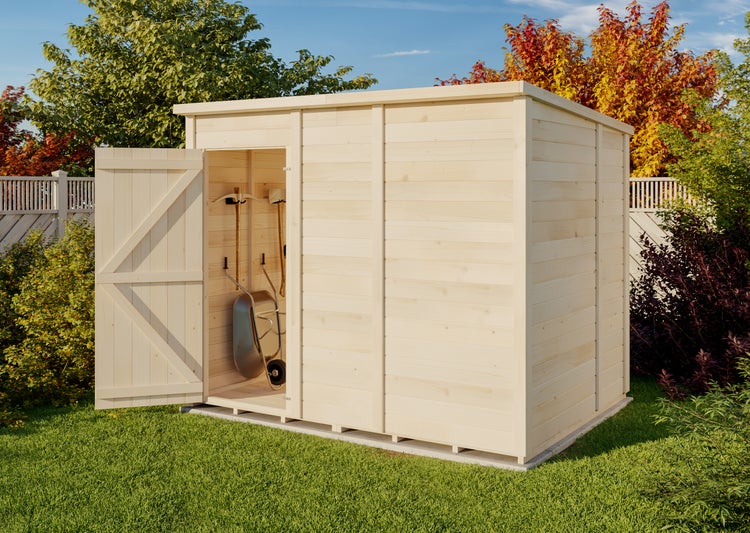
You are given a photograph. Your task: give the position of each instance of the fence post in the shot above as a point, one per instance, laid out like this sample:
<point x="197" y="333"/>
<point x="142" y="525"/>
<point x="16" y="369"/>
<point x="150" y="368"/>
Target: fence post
<point x="62" y="201"/>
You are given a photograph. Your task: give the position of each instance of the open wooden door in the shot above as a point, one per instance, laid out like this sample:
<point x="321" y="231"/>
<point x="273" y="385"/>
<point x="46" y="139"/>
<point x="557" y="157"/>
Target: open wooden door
<point x="149" y="276"/>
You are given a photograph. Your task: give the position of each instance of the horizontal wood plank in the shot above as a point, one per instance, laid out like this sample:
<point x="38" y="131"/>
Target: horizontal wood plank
<point x="135" y="391"/>
<point x="449" y="211"/>
<point x="449" y="272"/>
<point x="453" y="130"/>
<point x="483" y="150"/>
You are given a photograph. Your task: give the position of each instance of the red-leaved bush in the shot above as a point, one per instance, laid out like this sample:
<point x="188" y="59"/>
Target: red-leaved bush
<point x="690" y="310"/>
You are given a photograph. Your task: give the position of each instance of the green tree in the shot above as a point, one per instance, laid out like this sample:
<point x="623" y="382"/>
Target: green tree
<point x="715" y="164"/>
<point x="135" y="59"/>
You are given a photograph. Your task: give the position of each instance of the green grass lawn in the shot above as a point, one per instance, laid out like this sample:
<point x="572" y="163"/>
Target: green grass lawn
<point x="154" y="469"/>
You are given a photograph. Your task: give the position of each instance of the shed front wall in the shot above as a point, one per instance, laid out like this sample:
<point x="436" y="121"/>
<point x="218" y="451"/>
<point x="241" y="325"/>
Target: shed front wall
<point x="409" y="283"/>
<point x="450" y="370"/>
<point x="341" y="257"/>
<point x="407" y="265"/>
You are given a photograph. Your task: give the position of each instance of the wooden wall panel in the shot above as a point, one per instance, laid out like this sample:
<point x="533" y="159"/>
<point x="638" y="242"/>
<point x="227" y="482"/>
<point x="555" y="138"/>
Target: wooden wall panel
<point x="563" y="268"/>
<point x="449" y="274"/>
<point x="579" y="293"/>
<point x="341" y="385"/>
<point x="267" y="173"/>
<point x="242" y="131"/>
<point x="613" y="263"/>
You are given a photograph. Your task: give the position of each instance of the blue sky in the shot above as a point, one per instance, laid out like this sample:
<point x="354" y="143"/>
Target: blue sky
<point x="402" y="43"/>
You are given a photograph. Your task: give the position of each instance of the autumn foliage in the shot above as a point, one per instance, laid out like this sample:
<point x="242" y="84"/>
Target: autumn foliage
<point x="550" y="58"/>
<point x="633" y="72"/>
<point x="24" y="154"/>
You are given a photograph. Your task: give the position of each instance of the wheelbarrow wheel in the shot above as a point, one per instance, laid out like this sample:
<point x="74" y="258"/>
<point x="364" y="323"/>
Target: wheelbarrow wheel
<point x="276" y="369"/>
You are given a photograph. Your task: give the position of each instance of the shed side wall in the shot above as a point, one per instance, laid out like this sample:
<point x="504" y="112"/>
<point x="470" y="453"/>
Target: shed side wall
<point x="449" y="288"/>
<point x="579" y="274"/>
<point x="562" y="263"/>
<point x="613" y="258"/>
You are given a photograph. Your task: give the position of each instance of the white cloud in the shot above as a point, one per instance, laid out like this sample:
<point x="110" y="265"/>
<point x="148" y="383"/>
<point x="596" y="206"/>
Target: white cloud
<point x="581" y="18"/>
<point x="703" y="41"/>
<point x="571" y="15"/>
<point x="731" y="8"/>
<point x="402" y="53"/>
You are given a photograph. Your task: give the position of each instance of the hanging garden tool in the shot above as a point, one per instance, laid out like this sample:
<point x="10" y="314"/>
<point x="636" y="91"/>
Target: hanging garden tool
<point x="276" y="197"/>
<point x="236" y="200"/>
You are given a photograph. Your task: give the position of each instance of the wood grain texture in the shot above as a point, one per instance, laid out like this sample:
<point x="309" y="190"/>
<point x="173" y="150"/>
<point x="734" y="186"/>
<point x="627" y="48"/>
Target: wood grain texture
<point x="577" y="260"/>
<point x="455" y="267"/>
<point x="149" y="347"/>
<point x="342" y="240"/>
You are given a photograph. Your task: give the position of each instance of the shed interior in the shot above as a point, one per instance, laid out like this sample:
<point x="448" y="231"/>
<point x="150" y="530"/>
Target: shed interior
<point x="249" y="231"/>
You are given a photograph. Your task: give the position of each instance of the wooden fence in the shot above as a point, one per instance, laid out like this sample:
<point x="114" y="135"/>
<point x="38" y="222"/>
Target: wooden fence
<point x="647" y="197"/>
<point x="651" y="194"/>
<point x="42" y="203"/>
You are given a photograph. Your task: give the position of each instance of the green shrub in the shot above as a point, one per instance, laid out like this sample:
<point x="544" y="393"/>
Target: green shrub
<point x="54" y="362"/>
<point x="15" y="263"/>
<point x="690" y="309"/>
<point x="706" y="480"/>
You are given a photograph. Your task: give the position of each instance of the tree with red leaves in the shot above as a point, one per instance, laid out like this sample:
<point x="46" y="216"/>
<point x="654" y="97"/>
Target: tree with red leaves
<point x="24" y="154"/>
<point x="634" y="73"/>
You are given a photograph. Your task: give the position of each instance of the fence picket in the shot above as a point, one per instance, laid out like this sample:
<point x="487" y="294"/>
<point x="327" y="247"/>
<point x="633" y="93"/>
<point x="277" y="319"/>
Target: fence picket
<point x="653" y="194"/>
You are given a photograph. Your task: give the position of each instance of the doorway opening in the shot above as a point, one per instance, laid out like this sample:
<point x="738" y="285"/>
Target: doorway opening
<point x="245" y="252"/>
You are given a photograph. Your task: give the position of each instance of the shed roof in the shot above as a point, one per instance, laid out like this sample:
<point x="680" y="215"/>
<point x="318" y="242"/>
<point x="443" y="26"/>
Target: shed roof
<point x="507" y="89"/>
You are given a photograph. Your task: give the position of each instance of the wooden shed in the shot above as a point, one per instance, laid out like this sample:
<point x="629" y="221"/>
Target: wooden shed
<point x="456" y="264"/>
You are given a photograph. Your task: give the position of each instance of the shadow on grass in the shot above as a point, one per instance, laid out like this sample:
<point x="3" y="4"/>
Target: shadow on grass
<point x="633" y="425"/>
<point x="35" y="419"/>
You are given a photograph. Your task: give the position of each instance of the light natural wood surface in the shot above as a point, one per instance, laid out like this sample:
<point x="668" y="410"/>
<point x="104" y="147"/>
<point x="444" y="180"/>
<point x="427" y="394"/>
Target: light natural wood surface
<point x="457" y="263"/>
